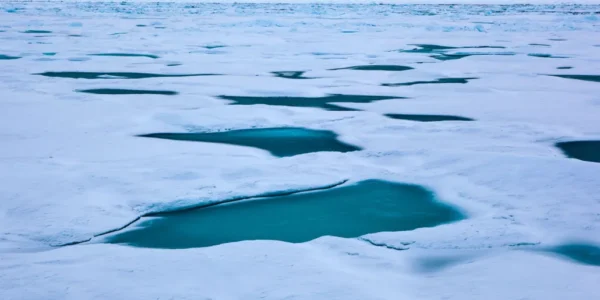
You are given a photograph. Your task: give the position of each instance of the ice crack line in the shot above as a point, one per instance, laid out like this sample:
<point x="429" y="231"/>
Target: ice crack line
<point x="384" y="245"/>
<point x="235" y="199"/>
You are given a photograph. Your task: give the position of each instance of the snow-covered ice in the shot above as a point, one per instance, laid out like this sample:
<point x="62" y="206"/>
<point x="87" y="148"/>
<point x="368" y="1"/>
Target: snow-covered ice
<point x="71" y="166"/>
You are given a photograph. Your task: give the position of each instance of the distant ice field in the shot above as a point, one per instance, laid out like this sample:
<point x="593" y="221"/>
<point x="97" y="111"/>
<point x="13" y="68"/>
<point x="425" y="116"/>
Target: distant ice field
<point x="114" y="115"/>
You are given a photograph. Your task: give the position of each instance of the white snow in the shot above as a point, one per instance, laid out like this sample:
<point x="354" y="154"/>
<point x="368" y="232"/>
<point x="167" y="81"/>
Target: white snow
<point x="336" y="1"/>
<point x="327" y="268"/>
<point x="71" y="166"/>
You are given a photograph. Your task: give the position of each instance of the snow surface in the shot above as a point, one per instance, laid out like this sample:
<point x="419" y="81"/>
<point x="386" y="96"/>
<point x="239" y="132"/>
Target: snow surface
<point x="337" y="1"/>
<point x="70" y="166"/>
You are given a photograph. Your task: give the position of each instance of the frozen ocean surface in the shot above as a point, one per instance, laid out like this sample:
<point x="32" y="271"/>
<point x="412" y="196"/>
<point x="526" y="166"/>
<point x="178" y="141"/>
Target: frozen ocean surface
<point x="493" y="108"/>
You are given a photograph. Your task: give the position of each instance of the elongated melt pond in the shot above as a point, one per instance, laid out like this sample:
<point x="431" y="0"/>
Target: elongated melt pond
<point x="545" y="55"/>
<point x="427" y="118"/>
<point x="592" y="78"/>
<point x="586" y="254"/>
<point x="391" y="68"/>
<point x="449" y="56"/>
<point x="439" y="52"/>
<point x="37" y="31"/>
<point x="279" y="141"/>
<point x="8" y="57"/>
<point x="324" y="102"/>
<point x="350" y="211"/>
<point x="459" y="55"/>
<point x="126" y="55"/>
<point x="428" y="48"/>
<point x="210" y="47"/>
<point x="127" y="92"/>
<point x="114" y="75"/>
<point x="291" y="74"/>
<point x="582" y="150"/>
<point x="459" y="80"/>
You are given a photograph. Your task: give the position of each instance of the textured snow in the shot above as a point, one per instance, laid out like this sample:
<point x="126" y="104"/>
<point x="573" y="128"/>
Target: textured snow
<point x="336" y="1"/>
<point x="71" y="166"/>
